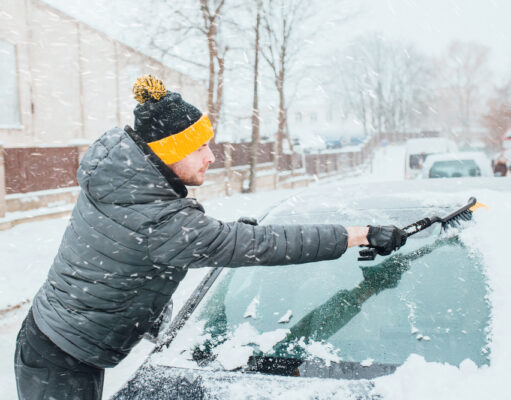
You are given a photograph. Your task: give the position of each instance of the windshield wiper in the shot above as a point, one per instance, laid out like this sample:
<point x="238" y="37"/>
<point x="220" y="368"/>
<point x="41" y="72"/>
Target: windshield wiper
<point x="187" y="310"/>
<point x="317" y="369"/>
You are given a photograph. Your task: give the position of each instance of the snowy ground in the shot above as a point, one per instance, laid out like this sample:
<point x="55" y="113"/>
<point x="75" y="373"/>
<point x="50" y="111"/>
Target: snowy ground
<point x="27" y="251"/>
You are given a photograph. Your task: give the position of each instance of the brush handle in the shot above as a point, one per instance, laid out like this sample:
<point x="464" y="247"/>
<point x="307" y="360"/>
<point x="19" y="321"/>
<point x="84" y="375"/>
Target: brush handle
<point x="420" y="225"/>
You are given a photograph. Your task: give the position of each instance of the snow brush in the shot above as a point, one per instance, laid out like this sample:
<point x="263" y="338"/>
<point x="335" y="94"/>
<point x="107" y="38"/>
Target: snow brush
<point x="450" y="221"/>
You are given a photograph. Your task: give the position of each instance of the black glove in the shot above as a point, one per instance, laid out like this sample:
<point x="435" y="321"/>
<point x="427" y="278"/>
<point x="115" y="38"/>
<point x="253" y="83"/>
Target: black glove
<point x="386" y="239"/>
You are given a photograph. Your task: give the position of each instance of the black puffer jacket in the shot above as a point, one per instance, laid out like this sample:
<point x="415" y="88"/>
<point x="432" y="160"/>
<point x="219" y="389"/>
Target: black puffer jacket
<point x="131" y="238"/>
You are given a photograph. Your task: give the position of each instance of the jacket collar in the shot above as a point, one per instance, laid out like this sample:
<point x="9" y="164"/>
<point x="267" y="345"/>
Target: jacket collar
<point x="167" y="173"/>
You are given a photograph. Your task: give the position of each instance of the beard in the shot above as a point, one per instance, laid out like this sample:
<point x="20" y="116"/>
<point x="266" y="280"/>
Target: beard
<point x="193" y="181"/>
<point x="189" y="178"/>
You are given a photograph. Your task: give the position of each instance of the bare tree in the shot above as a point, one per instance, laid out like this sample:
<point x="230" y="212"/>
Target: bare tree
<point x="174" y="23"/>
<point x="211" y="15"/>
<point x="409" y="90"/>
<point x="344" y="80"/>
<point x="464" y="74"/>
<point x="181" y="33"/>
<point x="384" y="84"/>
<point x="254" y="145"/>
<point x="282" y="21"/>
<point x="497" y="119"/>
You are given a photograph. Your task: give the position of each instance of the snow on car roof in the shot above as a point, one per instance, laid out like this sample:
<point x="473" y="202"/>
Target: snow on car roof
<point x="388" y="195"/>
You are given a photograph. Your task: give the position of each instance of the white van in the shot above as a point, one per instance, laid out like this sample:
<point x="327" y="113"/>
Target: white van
<point x="418" y="149"/>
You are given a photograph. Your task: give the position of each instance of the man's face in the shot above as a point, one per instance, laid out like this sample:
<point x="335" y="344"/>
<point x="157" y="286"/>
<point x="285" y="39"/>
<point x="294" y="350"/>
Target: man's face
<point x="192" y="168"/>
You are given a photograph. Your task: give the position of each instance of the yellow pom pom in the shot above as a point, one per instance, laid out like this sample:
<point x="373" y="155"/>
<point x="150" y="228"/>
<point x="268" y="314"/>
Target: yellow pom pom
<point x="147" y="87"/>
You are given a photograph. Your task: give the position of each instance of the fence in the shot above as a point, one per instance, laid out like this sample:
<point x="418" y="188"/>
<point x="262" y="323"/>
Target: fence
<point x="39" y="168"/>
<point x="33" y="169"/>
<point x="240" y="153"/>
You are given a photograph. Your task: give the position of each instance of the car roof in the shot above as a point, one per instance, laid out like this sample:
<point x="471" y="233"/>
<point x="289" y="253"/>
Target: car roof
<point x="417" y="193"/>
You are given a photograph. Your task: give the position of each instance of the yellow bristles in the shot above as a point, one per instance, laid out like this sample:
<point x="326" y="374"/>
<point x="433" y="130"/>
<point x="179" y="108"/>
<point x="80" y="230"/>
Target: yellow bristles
<point x="478" y="205"/>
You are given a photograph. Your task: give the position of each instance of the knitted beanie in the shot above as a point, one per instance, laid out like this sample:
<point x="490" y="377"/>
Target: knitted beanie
<point x="170" y="126"/>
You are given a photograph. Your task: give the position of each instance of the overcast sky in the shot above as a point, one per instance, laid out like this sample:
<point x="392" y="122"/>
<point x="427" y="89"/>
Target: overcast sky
<point x="430" y="24"/>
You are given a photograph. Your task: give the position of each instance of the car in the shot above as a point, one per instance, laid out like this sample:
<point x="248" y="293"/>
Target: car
<point x="416" y="151"/>
<point x="457" y="165"/>
<point x="338" y="329"/>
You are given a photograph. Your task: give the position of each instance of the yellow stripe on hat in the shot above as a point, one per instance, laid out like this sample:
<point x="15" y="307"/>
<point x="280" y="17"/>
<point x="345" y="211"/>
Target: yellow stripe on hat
<point x="173" y="148"/>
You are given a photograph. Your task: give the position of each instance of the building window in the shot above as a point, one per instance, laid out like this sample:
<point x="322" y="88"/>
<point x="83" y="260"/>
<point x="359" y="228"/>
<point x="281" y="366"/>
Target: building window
<point x="9" y="104"/>
<point x="298" y="117"/>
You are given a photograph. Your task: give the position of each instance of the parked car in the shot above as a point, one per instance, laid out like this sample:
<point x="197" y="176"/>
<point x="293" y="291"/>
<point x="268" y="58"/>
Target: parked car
<point x="330" y="329"/>
<point x="457" y="165"/>
<point x="418" y="149"/>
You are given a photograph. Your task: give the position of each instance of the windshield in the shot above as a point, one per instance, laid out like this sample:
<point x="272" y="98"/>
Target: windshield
<point x="454" y="169"/>
<point x="428" y="299"/>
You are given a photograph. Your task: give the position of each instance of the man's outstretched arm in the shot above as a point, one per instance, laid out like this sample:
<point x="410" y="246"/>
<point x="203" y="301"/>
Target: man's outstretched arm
<point x="190" y="239"/>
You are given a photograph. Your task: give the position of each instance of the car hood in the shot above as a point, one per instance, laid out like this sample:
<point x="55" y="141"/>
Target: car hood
<point x="164" y="382"/>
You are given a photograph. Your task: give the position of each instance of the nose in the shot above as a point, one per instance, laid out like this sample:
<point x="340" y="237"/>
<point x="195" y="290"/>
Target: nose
<point x="210" y="157"/>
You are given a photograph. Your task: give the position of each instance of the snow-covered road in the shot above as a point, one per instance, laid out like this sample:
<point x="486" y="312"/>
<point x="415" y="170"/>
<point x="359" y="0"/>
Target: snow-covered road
<point x="27" y="250"/>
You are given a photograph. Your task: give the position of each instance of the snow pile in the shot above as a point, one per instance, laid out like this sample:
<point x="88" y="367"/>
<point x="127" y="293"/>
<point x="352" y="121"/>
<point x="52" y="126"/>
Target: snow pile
<point x="322" y="350"/>
<point x="232" y="354"/>
<point x="367" y="363"/>
<point x="174" y="383"/>
<point x="26" y="256"/>
<point x="190" y="337"/>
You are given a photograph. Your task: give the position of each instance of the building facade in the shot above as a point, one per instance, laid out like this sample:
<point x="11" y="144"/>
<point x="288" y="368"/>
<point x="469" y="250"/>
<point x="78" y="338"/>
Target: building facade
<point x="63" y="82"/>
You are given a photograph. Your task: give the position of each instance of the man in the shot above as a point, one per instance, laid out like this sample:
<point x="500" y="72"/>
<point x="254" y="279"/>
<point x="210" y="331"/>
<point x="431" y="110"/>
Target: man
<point x="133" y="235"/>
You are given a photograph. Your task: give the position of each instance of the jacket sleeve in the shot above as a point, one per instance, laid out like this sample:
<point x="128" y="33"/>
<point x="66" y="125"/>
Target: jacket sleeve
<point x="190" y="239"/>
